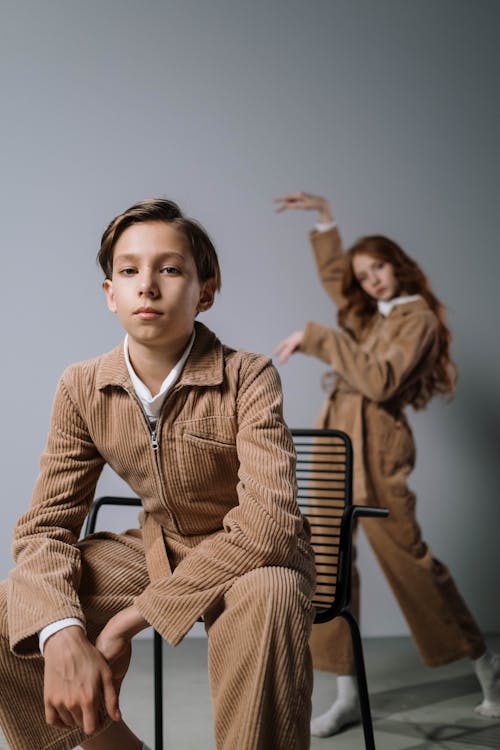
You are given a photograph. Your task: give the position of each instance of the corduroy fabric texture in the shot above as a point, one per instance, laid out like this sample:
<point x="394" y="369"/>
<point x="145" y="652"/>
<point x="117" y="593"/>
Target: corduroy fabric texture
<point x="375" y="370"/>
<point x="259" y="659"/>
<point x="219" y="498"/>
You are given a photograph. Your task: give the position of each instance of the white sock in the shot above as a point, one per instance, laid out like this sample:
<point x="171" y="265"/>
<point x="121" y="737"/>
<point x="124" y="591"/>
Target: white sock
<point x="487" y="669"/>
<point x="343" y="711"/>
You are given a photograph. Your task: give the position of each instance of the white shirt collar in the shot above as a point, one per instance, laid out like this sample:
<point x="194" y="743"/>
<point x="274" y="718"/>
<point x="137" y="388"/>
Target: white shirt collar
<point x="385" y="308"/>
<point x="152" y="404"/>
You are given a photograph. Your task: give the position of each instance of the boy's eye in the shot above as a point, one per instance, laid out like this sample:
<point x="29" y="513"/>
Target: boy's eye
<point x="128" y="271"/>
<point x="170" y="270"/>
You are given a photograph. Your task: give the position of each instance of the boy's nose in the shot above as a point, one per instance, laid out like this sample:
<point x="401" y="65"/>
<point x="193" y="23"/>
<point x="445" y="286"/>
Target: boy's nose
<point x="148" y="288"/>
<point x="149" y="291"/>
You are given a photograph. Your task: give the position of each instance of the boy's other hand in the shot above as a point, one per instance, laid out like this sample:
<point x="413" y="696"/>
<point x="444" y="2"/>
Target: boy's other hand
<point x="77" y="682"/>
<point x="114" y="641"/>
<point x="117" y="651"/>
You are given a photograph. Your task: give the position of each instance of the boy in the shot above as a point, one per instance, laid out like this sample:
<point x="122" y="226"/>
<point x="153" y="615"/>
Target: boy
<point x="196" y="430"/>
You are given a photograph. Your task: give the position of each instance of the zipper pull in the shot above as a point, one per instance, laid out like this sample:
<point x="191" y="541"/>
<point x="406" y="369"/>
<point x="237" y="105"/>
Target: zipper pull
<point x="154" y="440"/>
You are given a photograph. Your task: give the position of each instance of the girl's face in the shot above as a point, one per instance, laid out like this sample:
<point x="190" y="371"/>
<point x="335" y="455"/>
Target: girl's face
<point x="375" y="276"/>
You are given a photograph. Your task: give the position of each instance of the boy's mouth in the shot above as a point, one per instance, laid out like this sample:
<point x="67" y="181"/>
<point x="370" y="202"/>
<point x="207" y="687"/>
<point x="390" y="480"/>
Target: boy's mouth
<point x="147" y="313"/>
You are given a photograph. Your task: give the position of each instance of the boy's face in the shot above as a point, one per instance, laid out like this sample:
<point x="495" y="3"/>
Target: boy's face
<point x="154" y="288"/>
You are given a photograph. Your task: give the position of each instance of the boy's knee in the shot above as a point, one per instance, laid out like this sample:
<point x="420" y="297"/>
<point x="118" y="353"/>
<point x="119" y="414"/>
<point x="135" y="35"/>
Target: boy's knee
<point x="281" y="591"/>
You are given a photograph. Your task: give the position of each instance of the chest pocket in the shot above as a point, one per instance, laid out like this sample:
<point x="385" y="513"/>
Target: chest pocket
<point x="208" y="464"/>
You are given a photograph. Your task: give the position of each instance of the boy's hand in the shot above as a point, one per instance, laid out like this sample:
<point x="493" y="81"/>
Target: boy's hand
<point x="78" y="682"/>
<point x="114" y="642"/>
<point x="117" y="651"/>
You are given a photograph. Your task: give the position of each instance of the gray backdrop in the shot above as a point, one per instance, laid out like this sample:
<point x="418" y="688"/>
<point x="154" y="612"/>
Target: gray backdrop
<point x="390" y="108"/>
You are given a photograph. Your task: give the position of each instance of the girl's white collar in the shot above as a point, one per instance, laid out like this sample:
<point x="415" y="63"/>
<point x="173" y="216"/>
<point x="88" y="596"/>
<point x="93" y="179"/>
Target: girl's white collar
<point x="385" y="308"/>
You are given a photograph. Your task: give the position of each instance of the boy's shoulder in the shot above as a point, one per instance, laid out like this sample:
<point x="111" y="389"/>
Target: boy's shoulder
<point x="215" y="361"/>
<point x="97" y="369"/>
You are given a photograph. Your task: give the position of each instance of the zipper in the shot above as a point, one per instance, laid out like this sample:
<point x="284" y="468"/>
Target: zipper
<point x="155" y="445"/>
<point x="154" y="439"/>
<point x="153" y="431"/>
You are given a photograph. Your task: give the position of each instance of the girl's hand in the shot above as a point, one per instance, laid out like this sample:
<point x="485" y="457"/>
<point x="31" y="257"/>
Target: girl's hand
<point x="307" y="202"/>
<point x="288" y="346"/>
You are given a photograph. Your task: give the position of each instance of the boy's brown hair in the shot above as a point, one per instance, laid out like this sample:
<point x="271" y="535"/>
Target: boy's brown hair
<point x="161" y="209"/>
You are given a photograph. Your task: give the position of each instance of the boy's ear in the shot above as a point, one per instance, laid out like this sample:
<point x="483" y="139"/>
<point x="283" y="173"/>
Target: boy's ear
<point x="207" y="295"/>
<point x="107" y="285"/>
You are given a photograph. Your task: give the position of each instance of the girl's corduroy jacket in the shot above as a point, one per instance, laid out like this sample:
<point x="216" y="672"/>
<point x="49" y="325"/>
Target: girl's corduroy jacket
<point x="375" y="369"/>
<point x="218" y="483"/>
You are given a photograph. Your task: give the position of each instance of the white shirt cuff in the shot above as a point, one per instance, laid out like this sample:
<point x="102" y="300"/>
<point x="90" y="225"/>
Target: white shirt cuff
<point x="54" y="627"/>
<point x="325" y="226"/>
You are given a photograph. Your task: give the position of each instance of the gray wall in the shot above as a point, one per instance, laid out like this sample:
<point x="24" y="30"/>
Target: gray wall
<point x="390" y="108"/>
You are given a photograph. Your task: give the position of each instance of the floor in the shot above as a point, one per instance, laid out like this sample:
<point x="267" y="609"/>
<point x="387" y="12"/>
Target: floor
<point x="414" y="708"/>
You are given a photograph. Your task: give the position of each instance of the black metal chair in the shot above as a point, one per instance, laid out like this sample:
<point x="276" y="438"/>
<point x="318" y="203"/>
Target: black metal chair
<point x="324" y="478"/>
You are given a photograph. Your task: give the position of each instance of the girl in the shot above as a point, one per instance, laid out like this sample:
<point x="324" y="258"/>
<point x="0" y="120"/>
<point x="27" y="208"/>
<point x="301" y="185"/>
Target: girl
<point x="393" y="350"/>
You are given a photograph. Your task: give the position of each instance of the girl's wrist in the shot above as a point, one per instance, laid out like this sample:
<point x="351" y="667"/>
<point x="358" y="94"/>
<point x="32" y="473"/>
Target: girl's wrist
<point x="325" y="213"/>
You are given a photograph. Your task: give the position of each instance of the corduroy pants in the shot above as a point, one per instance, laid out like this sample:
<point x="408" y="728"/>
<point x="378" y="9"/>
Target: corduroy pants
<point x="442" y="626"/>
<point x="259" y="660"/>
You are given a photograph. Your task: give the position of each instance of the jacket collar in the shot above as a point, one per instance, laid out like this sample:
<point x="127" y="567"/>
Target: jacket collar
<point x="385" y="307"/>
<point x="404" y="306"/>
<point x="204" y="366"/>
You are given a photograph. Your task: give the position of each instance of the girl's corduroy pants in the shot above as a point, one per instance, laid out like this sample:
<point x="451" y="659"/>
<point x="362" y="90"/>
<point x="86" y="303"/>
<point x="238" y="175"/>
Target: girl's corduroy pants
<point x="259" y="660"/>
<point x="439" y="620"/>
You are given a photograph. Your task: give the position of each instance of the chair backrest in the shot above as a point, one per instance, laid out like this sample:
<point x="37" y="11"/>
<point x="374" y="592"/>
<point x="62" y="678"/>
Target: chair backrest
<point x="324" y="478"/>
<point x="100" y="502"/>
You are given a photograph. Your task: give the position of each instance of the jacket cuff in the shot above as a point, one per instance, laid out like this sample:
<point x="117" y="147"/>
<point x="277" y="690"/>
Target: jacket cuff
<point x="171" y="622"/>
<point x="327" y="244"/>
<point x="24" y="639"/>
<point x="313" y="341"/>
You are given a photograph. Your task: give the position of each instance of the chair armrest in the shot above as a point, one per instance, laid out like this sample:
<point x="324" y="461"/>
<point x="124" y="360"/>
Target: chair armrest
<point x="345" y="547"/>
<point x="357" y="511"/>
<point x="367" y="512"/>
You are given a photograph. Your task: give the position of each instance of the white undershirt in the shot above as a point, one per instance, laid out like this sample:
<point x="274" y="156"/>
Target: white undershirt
<point x="152" y="404"/>
<point x="325" y="226"/>
<point x="152" y="407"/>
<point x="385" y="307"/>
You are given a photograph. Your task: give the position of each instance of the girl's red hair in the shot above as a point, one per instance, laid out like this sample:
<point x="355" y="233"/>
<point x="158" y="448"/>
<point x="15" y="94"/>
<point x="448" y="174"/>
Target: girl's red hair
<point x="361" y="307"/>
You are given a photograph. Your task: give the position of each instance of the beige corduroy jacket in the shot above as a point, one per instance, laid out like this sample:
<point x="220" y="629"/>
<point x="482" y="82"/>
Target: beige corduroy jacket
<point x="375" y="370"/>
<point x="217" y="486"/>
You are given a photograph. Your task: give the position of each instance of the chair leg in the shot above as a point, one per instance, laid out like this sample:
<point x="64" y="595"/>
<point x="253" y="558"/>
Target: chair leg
<point x="158" y="689"/>
<point x="364" y="700"/>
